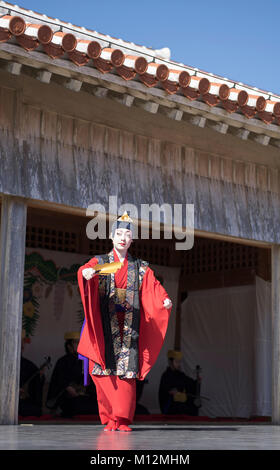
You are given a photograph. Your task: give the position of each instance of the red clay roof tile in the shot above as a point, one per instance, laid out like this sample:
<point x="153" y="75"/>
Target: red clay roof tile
<point x="81" y="52"/>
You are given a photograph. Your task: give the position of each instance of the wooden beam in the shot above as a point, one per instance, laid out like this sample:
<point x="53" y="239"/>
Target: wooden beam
<point x="264" y="264"/>
<point x="242" y="133"/>
<point x="262" y="139"/>
<point x="90" y="75"/>
<point x="125" y="99"/>
<point x="275" y="307"/>
<point x="175" y="114"/>
<point x="79" y="211"/>
<point x="44" y="76"/>
<point x="221" y="127"/>
<point x="199" y="121"/>
<point x="72" y="84"/>
<point x="12" y="258"/>
<point x="150" y="106"/>
<point x="14" y="68"/>
<point x="100" y="92"/>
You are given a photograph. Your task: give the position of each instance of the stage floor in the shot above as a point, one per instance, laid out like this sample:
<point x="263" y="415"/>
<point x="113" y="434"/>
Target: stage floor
<point x="143" y="437"/>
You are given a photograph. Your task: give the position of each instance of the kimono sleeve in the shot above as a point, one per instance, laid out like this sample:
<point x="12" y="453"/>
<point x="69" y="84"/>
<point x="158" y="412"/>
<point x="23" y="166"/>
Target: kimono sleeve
<point x="154" y="321"/>
<point x="91" y="344"/>
<point x="82" y="282"/>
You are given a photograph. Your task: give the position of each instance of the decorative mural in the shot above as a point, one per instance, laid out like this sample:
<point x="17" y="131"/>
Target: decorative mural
<point x="41" y="279"/>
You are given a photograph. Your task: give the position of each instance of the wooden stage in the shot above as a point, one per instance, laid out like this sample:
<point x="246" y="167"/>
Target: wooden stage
<point x="145" y="436"/>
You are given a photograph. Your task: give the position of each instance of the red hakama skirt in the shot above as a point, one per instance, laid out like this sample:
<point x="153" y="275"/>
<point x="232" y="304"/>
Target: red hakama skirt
<point x="116" y="397"/>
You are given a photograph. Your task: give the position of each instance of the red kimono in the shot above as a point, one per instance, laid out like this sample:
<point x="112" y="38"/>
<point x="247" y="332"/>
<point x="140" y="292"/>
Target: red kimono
<point x="117" y="397"/>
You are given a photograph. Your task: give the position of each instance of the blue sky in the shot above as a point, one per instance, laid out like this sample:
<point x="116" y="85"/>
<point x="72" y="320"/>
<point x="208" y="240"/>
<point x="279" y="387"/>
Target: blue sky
<point x="235" y="39"/>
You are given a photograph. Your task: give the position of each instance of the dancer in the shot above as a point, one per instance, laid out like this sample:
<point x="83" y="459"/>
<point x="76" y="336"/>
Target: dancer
<point x="126" y="318"/>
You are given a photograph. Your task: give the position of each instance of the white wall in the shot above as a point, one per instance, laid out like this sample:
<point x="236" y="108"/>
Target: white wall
<point x="227" y="332"/>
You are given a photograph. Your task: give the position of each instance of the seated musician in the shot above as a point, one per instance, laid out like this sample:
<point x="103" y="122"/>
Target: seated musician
<point x="31" y="384"/>
<point x="177" y="391"/>
<point x="66" y="394"/>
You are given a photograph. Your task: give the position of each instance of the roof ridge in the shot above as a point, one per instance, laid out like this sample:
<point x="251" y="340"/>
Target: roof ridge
<point x="156" y="54"/>
<point x="83" y="30"/>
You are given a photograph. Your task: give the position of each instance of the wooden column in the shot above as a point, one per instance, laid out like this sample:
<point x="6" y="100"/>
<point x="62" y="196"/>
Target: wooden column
<point x="275" y="306"/>
<point x="12" y="257"/>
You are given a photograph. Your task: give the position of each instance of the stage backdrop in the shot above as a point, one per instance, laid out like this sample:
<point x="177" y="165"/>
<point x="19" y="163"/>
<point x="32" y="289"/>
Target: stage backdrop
<point x="52" y="305"/>
<point x="227" y="332"/>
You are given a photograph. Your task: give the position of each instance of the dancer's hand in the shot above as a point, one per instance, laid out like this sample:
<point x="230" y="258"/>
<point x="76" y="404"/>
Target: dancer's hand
<point x="167" y="303"/>
<point x="88" y="273"/>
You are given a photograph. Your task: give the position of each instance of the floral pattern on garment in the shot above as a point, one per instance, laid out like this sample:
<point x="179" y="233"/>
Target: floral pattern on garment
<point x="117" y="300"/>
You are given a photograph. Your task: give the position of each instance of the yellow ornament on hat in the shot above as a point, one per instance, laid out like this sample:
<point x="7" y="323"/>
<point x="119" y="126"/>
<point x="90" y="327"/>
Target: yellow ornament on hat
<point x="125" y="217"/>
<point x="124" y="221"/>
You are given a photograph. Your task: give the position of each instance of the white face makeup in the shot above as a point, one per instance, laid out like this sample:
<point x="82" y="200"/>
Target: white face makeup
<point x="122" y="239"/>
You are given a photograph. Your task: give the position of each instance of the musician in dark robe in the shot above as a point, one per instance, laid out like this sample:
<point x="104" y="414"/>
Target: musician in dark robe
<point x="31" y="385"/>
<point x="177" y="391"/>
<point x="66" y="393"/>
